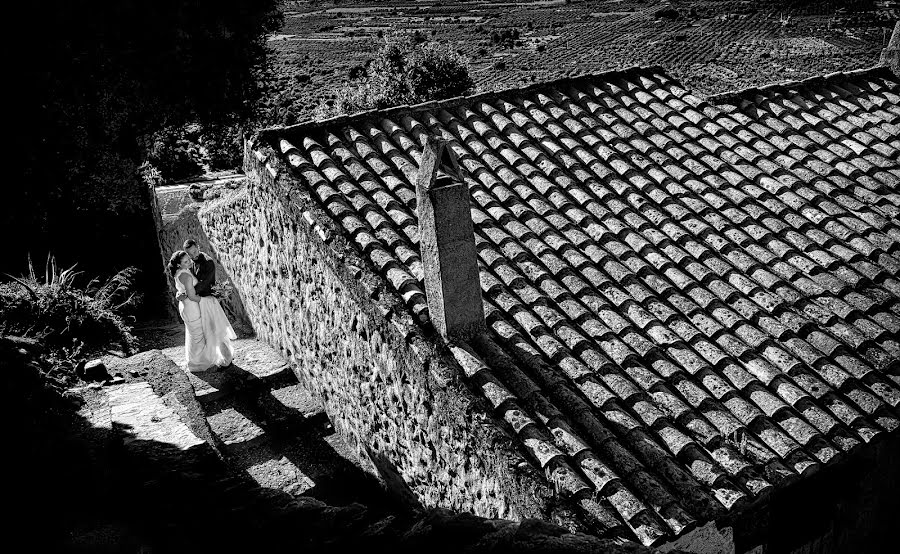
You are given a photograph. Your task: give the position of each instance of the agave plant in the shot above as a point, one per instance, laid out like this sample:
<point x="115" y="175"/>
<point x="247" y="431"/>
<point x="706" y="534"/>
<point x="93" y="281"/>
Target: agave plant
<point x="59" y="312"/>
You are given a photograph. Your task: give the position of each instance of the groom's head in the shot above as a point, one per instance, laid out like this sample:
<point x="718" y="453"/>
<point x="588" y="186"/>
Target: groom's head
<point x="191" y="247"/>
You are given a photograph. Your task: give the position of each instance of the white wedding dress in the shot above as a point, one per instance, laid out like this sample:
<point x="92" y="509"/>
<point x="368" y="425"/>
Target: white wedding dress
<point x="207" y="332"/>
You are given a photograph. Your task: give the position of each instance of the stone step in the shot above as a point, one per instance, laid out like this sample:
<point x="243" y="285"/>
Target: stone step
<point x="294" y="406"/>
<point x="169" y="382"/>
<point x="146" y="424"/>
<point x="96" y="409"/>
<point x="210" y="386"/>
<point x="256" y="365"/>
<point x="248" y="448"/>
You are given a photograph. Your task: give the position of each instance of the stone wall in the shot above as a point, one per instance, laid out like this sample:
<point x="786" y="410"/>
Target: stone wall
<point x="391" y="392"/>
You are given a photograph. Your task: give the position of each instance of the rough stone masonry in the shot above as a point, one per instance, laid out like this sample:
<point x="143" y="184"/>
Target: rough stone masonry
<point x="391" y="389"/>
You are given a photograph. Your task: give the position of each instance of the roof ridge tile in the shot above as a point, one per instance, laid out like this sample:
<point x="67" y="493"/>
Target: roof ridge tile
<point x="269" y="133"/>
<point x="731" y="96"/>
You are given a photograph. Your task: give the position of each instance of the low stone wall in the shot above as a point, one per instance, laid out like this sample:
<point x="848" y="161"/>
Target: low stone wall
<point x="172" y="199"/>
<point x="390" y="391"/>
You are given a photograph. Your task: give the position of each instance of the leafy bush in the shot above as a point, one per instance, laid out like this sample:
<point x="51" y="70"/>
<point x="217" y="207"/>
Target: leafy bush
<point x="183" y="152"/>
<point x="667" y="12"/>
<point x="175" y="152"/>
<point x="222" y="146"/>
<point x="505" y="38"/>
<point x="67" y="318"/>
<point x="406" y="70"/>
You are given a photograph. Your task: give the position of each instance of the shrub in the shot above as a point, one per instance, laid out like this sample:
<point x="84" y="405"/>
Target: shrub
<point x="66" y="317"/>
<point x="406" y="70"/>
<point x="356" y="72"/>
<point x="150" y="175"/>
<point x="504" y="38"/>
<point x="222" y="146"/>
<point x="175" y="152"/>
<point x="667" y="12"/>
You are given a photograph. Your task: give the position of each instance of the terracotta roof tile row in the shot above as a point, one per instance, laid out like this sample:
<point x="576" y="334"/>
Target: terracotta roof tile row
<point x="690" y="303"/>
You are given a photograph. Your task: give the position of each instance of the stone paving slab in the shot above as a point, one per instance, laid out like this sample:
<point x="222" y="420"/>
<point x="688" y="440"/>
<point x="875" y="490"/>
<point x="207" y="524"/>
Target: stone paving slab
<point x="297" y="398"/>
<point x="256" y="364"/>
<point x="210" y="385"/>
<point x="96" y="408"/>
<point x="247" y="447"/>
<point x="142" y="415"/>
<point x="281" y="474"/>
<point x="251" y="355"/>
<point x="259" y="358"/>
<point x="232" y="427"/>
<point x="294" y="407"/>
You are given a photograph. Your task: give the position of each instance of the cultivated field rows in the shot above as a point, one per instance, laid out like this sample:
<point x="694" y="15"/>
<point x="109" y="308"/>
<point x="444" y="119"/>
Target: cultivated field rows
<point x="712" y="45"/>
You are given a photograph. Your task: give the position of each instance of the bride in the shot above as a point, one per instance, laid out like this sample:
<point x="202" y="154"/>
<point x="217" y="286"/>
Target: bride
<point x="207" y="332"/>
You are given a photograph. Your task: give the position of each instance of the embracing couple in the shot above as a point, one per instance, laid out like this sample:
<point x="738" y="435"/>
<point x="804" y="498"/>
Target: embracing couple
<point x="208" y="334"/>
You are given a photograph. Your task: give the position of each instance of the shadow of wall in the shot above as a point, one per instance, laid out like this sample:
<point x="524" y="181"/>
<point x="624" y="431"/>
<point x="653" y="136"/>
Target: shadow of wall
<point x="85" y="488"/>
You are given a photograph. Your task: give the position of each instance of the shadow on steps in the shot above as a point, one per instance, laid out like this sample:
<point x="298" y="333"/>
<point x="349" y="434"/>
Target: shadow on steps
<point x="81" y="483"/>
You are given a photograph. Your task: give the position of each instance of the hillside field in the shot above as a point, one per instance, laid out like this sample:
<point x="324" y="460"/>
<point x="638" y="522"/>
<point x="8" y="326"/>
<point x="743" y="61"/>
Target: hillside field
<point x="711" y="45"/>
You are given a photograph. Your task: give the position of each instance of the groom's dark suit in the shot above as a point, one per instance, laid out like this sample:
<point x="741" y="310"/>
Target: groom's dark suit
<point x="205" y="272"/>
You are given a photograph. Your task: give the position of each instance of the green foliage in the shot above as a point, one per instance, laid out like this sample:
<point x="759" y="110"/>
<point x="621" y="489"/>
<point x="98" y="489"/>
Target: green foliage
<point x="65" y="317"/>
<point x="186" y="151"/>
<point x="223" y="146"/>
<point x="667" y="12"/>
<point x="407" y="70"/>
<point x="505" y="38"/>
<point x="176" y="153"/>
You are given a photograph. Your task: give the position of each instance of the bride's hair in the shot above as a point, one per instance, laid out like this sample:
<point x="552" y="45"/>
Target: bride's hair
<point x="175" y="260"/>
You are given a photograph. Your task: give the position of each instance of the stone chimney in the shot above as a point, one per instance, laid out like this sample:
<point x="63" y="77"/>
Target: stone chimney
<point x="890" y="56"/>
<point x="447" y="244"/>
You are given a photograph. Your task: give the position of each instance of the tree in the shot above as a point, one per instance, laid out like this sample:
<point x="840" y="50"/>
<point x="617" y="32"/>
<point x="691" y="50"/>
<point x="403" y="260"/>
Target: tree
<point x="408" y="70"/>
<point x="104" y="76"/>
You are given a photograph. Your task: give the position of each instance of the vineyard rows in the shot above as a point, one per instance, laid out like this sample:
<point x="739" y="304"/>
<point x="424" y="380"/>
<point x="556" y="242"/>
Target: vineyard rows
<point x="713" y="45"/>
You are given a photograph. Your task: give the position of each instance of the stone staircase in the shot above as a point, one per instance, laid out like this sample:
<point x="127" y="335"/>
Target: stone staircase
<point x="257" y="417"/>
<point x="244" y="460"/>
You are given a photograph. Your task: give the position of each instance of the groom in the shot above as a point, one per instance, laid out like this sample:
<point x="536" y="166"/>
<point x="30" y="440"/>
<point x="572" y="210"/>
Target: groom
<point x="204" y="270"/>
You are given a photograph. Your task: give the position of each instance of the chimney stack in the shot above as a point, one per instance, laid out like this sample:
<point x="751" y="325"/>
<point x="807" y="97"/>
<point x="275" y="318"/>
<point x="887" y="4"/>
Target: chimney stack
<point x="447" y="244"/>
<point x="890" y="56"/>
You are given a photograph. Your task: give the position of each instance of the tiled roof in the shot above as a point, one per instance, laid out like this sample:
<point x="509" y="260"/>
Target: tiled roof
<point x="689" y="303"/>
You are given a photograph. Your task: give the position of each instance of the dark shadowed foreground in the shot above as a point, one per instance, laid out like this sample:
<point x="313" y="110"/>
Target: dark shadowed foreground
<point x="80" y="486"/>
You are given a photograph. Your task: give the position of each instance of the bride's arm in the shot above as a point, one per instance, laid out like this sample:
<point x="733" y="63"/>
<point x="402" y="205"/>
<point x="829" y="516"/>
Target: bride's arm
<point x="188" y="287"/>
